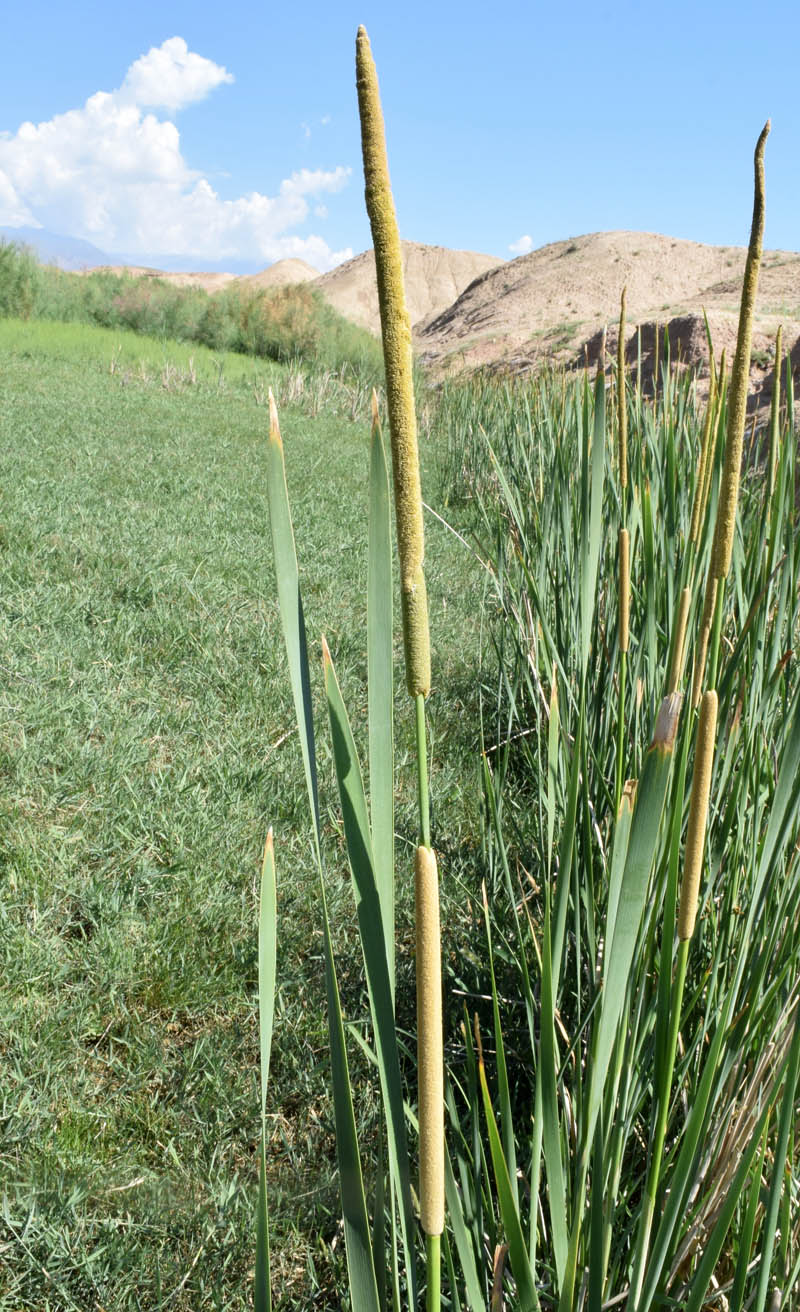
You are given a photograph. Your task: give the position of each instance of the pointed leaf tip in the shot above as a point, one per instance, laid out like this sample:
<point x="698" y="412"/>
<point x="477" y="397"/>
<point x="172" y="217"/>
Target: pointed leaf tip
<point x="274" y="426"/>
<point x="326" y="653"/>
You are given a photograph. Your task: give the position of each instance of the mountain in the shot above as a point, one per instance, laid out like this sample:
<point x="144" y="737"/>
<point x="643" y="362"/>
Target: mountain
<point x="434" y="276"/>
<point x="70" y="253"/>
<point x="554" y="303"/>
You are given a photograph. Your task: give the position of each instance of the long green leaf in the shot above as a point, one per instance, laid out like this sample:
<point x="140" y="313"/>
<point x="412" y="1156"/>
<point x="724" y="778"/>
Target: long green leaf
<point x="360" y="1265"/>
<point x="527" y="1297"/>
<point x="365" y="891"/>
<point x="380" y="691"/>
<point x="267" y="941"/>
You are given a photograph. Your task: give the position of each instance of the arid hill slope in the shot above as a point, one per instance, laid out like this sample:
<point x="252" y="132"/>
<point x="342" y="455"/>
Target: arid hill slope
<point x="434" y="275"/>
<point x="553" y="303"/>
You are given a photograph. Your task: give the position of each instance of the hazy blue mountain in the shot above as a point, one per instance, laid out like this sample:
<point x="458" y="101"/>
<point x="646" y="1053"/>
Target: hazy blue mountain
<point x="53" y="248"/>
<point x="75" y="253"/>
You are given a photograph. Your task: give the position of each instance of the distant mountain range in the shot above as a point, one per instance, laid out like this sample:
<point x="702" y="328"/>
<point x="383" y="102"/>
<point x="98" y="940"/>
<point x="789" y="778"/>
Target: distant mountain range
<point x="74" y="254"/>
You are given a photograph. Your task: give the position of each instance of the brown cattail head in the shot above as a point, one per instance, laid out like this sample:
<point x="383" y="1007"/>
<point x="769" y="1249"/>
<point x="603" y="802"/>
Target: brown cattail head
<point x="737" y="398"/>
<point x="676" y="664"/>
<point x="624" y="588"/>
<point x="398" y="363"/>
<point x="622" y="408"/>
<point x="698" y="813"/>
<point x="430" y="1052"/>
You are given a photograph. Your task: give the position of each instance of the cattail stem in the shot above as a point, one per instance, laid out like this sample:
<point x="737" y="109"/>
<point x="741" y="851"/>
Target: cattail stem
<point x="423" y="794"/>
<point x="678" y="640"/>
<point x="698" y="814"/>
<point x="716" y="633"/>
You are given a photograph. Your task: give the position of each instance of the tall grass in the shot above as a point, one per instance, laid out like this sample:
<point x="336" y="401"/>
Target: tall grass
<point x="559" y="864"/>
<point x="622" y="1103"/>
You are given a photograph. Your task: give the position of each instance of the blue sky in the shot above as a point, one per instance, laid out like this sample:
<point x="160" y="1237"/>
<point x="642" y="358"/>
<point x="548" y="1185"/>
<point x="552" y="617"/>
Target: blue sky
<point x="230" y="131"/>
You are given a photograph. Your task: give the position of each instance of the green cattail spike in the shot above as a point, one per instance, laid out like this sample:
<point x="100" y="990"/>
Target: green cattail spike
<point x="676" y="663"/>
<point x="737" y="399"/>
<point x="624" y="589"/>
<point x="698" y="814"/>
<point x="774" y="414"/>
<point x="398" y="362"/>
<point x="430" y="1055"/>
<point x="621" y="401"/>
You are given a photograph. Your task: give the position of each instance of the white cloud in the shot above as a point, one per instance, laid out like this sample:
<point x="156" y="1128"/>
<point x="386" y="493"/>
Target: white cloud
<point x="521" y="247"/>
<point x="114" y="173"/>
<point x="171" y="76"/>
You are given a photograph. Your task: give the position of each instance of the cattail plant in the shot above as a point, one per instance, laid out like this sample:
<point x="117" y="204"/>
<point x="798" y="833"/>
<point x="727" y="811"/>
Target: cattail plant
<point x="398" y="359"/>
<point x="722" y="547"/>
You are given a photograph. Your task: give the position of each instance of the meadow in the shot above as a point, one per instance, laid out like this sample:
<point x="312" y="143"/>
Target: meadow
<point x="146" y="743"/>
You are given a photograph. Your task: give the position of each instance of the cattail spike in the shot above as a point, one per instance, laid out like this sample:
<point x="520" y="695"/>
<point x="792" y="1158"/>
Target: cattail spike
<point x="698" y="814"/>
<point x="429" y="1043"/>
<point x="737" y="399"/>
<point x="398" y="362"/>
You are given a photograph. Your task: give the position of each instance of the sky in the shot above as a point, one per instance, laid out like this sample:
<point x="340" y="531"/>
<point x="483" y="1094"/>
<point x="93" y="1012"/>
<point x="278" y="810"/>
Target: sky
<point x="229" y="133"/>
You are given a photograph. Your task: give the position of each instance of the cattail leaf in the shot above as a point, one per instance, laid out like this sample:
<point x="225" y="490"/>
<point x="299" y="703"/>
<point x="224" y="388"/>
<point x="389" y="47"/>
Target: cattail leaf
<point x="380" y="691"/>
<point x="506" y="1120"/>
<point x="466" y="1253"/>
<point x="527" y="1297"/>
<point x="593" y="521"/>
<point x="370" y="923"/>
<point x="745" y="1237"/>
<point x="645" y="823"/>
<point x="360" y="1257"/>
<point x="712" y="1246"/>
<point x="551" y="1130"/>
<point x="360" y="1263"/>
<point x="267" y="953"/>
<point x="291" y="610"/>
<point x="786" y="1118"/>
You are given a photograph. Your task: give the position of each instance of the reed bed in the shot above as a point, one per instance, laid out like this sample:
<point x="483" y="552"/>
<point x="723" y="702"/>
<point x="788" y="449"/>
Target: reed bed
<point x="621" y="1082"/>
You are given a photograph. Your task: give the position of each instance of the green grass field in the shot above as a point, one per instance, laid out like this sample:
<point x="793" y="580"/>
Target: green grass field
<point x="146" y="743"/>
<point x="148" y="740"/>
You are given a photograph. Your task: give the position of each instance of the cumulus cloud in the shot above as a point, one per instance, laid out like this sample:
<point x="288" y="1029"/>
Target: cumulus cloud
<point x="521" y="247"/>
<point x="171" y="76"/>
<point x="113" y="172"/>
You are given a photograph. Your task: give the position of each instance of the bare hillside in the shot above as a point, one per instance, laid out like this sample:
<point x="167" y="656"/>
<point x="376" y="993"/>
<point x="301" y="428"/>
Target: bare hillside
<point x="284" y="273"/>
<point x="553" y="303"/>
<point x="435" y="277"/>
